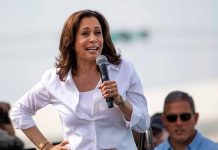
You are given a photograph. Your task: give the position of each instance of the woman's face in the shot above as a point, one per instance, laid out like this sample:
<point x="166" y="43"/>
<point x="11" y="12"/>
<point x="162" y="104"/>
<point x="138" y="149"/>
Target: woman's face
<point x="89" y="39"/>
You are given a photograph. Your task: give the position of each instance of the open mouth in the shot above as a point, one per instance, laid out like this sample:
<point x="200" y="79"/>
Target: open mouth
<point x="93" y="48"/>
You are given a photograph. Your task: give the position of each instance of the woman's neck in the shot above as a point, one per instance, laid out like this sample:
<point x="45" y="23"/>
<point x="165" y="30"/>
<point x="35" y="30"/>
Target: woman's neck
<point x="86" y="77"/>
<point x="86" y="68"/>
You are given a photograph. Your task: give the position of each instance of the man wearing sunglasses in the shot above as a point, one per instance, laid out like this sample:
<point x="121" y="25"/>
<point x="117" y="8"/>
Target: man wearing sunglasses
<point x="179" y="118"/>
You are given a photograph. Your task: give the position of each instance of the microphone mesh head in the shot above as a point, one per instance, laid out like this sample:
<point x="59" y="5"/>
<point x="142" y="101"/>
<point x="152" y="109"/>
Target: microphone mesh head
<point x="101" y="59"/>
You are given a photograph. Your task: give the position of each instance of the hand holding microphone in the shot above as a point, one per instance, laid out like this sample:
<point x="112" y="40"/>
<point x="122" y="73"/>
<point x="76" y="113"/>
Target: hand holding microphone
<point x="108" y="87"/>
<point x="102" y="63"/>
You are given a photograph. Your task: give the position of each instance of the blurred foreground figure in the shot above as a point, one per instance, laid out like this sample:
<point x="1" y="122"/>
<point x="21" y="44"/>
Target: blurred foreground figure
<point x="8" y="140"/>
<point x="180" y="119"/>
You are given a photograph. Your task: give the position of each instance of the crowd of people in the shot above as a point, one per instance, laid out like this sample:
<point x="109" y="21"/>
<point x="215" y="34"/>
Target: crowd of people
<point x="77" y="90"/>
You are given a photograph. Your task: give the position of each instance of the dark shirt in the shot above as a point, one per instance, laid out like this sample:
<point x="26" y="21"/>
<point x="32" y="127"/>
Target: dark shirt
<point x="8" y="142"/>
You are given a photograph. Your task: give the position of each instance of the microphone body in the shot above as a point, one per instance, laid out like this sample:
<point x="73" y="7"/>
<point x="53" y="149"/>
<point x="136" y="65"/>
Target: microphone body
<point x="102" y="62"/>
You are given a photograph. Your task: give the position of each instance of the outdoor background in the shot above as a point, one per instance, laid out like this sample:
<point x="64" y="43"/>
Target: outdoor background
<point x="173" y="45"/>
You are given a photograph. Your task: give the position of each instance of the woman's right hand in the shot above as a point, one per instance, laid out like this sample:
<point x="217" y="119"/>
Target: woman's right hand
<point x="61" y="146"/>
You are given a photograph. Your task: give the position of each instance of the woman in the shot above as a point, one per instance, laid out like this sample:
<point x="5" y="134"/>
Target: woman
<point x="74" y="88"/>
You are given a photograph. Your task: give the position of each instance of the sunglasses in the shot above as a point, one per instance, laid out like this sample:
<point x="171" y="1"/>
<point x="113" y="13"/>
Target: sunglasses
<point x="183" y="117"/>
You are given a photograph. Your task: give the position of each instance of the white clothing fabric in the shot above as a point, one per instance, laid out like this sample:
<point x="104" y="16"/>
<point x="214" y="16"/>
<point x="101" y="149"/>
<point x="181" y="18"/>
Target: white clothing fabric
<point x="89" y="125"/>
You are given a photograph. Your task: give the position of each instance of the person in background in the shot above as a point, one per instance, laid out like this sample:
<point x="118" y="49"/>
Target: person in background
<point x="75" y="89"/>
<point x="8" y="139"/>
<point x="158" y="131"/>
<point x="180" y="118"/>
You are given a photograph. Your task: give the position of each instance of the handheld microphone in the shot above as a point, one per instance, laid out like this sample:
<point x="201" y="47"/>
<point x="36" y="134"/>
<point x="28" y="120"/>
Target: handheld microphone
<point x="102" y="63"/>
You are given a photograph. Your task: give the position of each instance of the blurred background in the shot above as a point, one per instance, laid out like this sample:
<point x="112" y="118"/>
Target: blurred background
<point x="173" y="45"/>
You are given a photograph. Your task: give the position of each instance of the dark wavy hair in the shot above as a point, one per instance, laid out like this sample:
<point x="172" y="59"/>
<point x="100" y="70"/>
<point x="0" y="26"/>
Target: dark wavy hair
<point x="67" y="57"/>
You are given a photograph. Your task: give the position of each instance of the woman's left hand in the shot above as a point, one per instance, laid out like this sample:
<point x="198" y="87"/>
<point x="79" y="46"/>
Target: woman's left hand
<point x="109" y="89"/>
